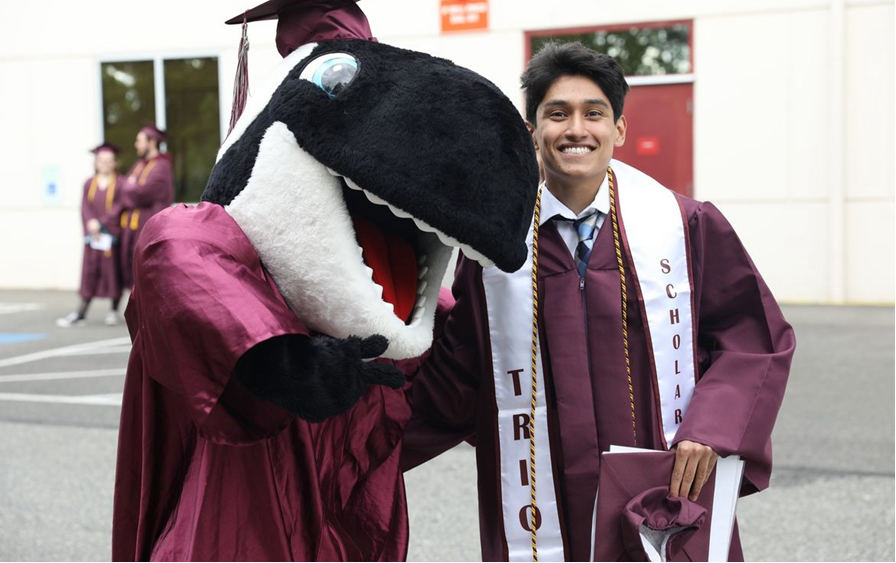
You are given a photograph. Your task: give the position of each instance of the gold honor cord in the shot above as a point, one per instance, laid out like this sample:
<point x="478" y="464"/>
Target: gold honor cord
<point x="110" y="194"/>
<point x="110" y="191"/>
<point x="145" y="172"/>
<point x="135" y="219"/>
<point x="534" y="519"/>
<point x="136" y="171"/>
<point x="628" y="366"/>
<point x="91" y="192"/>
<point x="628" y="369"/>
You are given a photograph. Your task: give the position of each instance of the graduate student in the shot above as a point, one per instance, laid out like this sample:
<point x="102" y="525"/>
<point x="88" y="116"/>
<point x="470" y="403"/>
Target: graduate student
<point x="101" y="267"/>
<point x="654" y="329"/>
<point x="147" y="188"/>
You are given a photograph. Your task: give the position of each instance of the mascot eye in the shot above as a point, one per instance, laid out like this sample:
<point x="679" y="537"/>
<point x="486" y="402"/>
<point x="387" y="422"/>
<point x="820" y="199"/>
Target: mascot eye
<point x="332" y="72"/>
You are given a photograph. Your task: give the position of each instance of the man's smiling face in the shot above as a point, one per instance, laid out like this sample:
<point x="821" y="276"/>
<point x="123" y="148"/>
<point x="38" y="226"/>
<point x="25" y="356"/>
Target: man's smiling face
<point x="575" y="132"/>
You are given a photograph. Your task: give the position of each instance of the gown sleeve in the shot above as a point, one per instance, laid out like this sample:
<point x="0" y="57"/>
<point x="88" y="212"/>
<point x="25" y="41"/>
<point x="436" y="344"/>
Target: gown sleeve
<point x="744" y="348"/>
<point x="444" y="391"/>
<point x="157" y="187"/>
<point x="87" y="210"/>
<point x="203" y="300"/>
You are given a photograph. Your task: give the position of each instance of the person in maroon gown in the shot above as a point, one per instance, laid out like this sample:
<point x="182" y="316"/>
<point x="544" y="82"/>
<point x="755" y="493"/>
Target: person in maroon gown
<point x="263" y="410"/>
<point x="101" y="267"/>
<point x="221" y="473"/>
<point x="600" y="352"/>
<point x="146" y="189"/>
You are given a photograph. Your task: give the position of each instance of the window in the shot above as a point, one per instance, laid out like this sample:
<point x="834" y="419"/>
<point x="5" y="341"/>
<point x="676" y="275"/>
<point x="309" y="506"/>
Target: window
<point x="181" y="97"/>
<point x="128" y="99"/>
<point x="194" y="122"/>
<point x="642" y="50"/>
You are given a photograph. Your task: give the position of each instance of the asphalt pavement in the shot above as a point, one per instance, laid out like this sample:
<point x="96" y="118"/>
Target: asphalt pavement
<point x="831" y="498"/>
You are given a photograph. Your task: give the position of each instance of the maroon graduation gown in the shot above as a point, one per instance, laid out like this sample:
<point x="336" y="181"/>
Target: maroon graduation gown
<point x="147" y="189"/>
<point x="100" y="269"/>
<point x="206" y="471"/>
<point x="744" y="350"/>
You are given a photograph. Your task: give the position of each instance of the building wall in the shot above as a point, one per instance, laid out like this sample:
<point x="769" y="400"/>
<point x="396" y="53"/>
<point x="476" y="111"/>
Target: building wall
<point x="793" y="120"/>
<point x="869" y="150"/>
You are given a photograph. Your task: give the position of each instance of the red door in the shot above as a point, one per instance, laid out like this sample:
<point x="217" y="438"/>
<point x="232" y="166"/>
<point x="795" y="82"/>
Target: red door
<point x="660" y="136"/>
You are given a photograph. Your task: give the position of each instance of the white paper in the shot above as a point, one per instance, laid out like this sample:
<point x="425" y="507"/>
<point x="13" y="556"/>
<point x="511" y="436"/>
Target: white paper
<point x="104" y="242"/>
<point x="729" y="473"/>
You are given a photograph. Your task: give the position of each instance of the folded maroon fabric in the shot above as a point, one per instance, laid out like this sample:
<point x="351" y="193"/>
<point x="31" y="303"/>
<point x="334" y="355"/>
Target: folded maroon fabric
<point x="634" y="489"/>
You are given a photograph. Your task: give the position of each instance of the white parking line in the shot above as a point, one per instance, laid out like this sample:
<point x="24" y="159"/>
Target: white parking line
<point x="61" y="375"/>
<point x="108" y="399"/>
<point x="9" y="308"/>
<point x="64" y="351"/>
<point x="95" y="352"/>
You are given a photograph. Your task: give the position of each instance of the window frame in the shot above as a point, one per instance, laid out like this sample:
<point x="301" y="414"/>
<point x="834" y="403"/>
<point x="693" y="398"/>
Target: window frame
<point x="158" y="73"/>
<point x="637" y="80"/>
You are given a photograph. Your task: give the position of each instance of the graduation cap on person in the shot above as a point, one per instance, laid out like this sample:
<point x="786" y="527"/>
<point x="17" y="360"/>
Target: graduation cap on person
<point x="299" y="22"/>
<point x="115" y="149"/>
<point x="153" y="132"/>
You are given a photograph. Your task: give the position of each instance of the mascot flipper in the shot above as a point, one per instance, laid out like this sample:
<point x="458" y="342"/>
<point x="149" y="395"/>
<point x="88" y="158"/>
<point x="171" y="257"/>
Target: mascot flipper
<point x="264" y="402"/>
<point x="315" y="378"/>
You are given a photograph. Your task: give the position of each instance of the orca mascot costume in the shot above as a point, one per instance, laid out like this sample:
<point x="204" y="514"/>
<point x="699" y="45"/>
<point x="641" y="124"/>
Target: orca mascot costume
<point x="272" y="323"/>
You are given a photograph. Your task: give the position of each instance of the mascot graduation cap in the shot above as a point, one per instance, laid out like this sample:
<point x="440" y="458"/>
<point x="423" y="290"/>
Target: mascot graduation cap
<point x="273" y="323"/>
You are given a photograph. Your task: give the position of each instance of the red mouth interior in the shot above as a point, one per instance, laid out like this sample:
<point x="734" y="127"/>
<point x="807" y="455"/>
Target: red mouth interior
<point x="394" y="264"/>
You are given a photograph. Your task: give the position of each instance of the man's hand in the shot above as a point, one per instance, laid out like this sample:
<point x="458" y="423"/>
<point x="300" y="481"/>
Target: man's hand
<point x="693" y="464"/>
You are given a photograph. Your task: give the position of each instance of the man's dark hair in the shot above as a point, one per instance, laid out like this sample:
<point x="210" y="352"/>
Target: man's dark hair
<point x="556" y="60"/>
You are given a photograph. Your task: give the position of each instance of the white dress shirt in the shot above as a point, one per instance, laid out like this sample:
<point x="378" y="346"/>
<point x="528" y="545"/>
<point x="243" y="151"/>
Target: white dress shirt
<point x="552" y="207"/>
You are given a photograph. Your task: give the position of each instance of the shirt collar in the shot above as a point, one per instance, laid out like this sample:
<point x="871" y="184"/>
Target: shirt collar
<point x="551" y="206"/>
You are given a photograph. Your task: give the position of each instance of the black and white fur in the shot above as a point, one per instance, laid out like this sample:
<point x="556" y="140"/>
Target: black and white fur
<point x="428" y="140"/>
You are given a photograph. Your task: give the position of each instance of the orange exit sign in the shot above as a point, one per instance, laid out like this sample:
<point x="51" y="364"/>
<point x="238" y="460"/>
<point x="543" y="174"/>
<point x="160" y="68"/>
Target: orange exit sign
<point x="464" y="15"/>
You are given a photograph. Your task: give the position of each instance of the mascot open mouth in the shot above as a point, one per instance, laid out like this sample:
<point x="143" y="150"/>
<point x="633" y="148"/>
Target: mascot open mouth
<point x="391" y="248"/>
<point x="398" y="249"/>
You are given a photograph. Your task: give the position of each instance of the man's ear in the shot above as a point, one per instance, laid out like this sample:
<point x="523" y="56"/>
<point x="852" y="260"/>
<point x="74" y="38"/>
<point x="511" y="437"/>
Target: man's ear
<point x="532" y="132"/>
<point x="621" y="126"/>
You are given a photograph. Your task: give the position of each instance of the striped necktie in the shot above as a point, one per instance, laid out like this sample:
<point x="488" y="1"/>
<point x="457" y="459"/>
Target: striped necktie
<point x="585" y="227"/>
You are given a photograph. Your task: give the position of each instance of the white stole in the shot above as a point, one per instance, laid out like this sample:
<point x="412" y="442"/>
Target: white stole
<point x="509" y="305"/>
<point x="657" y="244"/>
<point x="657" y="247"/>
